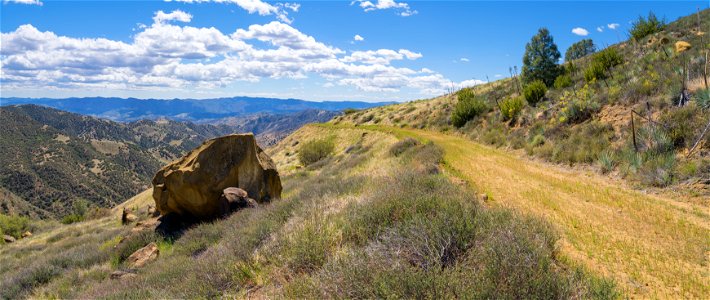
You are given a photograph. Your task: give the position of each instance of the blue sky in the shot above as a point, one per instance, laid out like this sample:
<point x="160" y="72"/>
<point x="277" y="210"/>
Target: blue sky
<point x="405" y="50"/>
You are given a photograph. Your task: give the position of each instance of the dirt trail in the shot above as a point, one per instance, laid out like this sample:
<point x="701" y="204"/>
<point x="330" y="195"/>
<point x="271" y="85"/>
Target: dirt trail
<point x="652" y="245"/>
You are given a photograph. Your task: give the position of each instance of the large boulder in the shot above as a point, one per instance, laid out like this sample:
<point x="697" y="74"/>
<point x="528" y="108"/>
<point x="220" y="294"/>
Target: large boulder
<point x="193" y="185"/>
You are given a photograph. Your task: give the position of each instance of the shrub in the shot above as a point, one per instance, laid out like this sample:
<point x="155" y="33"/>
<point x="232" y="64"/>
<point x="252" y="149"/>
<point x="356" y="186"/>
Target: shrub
<point x="583" y="143"/>
<point x="563" y="81"/>
<point x="467" y="108"/>
<point x="684" y="125"/>
<point x="13" y="225"/>
<point x="578" y="107"/>
<point x="72" y="218"/>
<point x="511" y="107"/>
<point x="580" y="49"/>
<point x="594" y="72"/>
<point x="534" y="92"/>
<point x="349" y="111"/>
<point x="645" y="26"/>
<point x="315" y="150"/>
<point x="403" y="145"/>
<point x="703" y="99"/>
<point x="608" y="58"/>
<point x="658" y="169"/>
<point x="537" y="140"/>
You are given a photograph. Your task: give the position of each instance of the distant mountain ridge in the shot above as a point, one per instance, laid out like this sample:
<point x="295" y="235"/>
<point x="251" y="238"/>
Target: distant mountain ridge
<point x="200" y="111"/>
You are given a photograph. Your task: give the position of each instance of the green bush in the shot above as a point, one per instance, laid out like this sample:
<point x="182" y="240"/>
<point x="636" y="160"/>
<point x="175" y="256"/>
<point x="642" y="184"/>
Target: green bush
<point x="563" y="81"/>
<point x="645" y="26"/>
<point x="534" y="92"/>
<point x="14" y="225"/>
<point x="510" y="107"/>
<point x="578" y="107"/>
<point x="608" y="58"/>
<point x="594" y="72"/>
<point x="467" y="108"/>
<point x="72" y="218"/>
<point x="315" y="150"/>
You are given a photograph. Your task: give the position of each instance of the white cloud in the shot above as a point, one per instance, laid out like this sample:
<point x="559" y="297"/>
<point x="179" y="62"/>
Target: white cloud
<point x="613" y="26"/>
<point x="169" y="57"/>
<point x="28" y="2"/>
<point x="600" y="28"/>
<point x="580" y="31"/>
<point x="402" y="8"/>
<point x="292" y="6"/>
<point x="358" y="38"/>
<point x="256" y="6"/>
<point x="176" y="15"/>
<point x="463" y="59"/>
<point x="381" y="56"/>
<point x="498" y="75"/>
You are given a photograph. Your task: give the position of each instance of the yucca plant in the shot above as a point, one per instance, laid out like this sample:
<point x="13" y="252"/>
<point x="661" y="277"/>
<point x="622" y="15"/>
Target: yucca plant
<point x="607" y="161"/>
<point x="703" y="99"/>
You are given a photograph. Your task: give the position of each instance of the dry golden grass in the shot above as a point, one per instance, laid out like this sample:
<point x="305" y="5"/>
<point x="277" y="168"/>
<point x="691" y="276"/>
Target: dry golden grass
<point x="654" y="246"/>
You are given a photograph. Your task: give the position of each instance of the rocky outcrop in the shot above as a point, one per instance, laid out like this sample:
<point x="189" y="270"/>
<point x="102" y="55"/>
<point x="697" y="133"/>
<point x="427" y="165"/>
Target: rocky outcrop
<point x="143" y="256"/>
<point x="194" y="185"/>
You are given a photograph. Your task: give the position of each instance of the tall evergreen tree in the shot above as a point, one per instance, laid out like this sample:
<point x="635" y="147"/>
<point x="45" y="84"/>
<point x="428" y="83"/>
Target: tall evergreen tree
<point x="580" y="49"/>
<point x="540" y="59"/>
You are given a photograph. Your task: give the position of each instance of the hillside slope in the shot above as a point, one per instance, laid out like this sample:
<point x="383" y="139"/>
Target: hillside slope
<point x="50" y="159"/>
<point x="374" y="219"/>
<point x="654" y="245"/>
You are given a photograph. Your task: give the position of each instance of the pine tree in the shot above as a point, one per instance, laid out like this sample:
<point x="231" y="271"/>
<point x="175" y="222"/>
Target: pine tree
<point x="580" y="49"/>
<point x="540" y="59"/>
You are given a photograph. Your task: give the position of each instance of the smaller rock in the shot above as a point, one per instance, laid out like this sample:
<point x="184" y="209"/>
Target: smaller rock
<point x="484" y="197"/>
<point x="131" y="218"/>
<point x="143" y="256"/>
<point x="151" y="210"/>
<point x="234" y="198"/>
<point x="8" y="238"/>
<point x="122" y="274"/>
<point x="149" y="224"/>
<point x="26" y="234"/>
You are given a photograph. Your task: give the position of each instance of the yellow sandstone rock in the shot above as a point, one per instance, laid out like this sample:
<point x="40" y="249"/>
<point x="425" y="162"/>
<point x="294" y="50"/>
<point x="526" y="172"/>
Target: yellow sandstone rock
<point x="192" y="185"/>
<point x="681" y="46"/>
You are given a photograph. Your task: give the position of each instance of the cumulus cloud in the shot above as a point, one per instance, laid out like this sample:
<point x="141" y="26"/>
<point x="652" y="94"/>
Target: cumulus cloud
<point x="176" y="15"/>
<point x="358" y="38"/>
<point x="600" y="28"/>
<point x="167" y="56"/>
<point x="256" y="6"/>
<point x="381" y="56"/>
<point x="613" y="26"/>
<point x="28" y="2"/>
<point x="580" y="31"/>
<point x="401" y="8"/>
<point x="463" y="59"/>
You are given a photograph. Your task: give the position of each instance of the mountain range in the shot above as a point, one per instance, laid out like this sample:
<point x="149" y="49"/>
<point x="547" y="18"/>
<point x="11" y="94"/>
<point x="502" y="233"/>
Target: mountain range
<point x="200" y="111"/>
